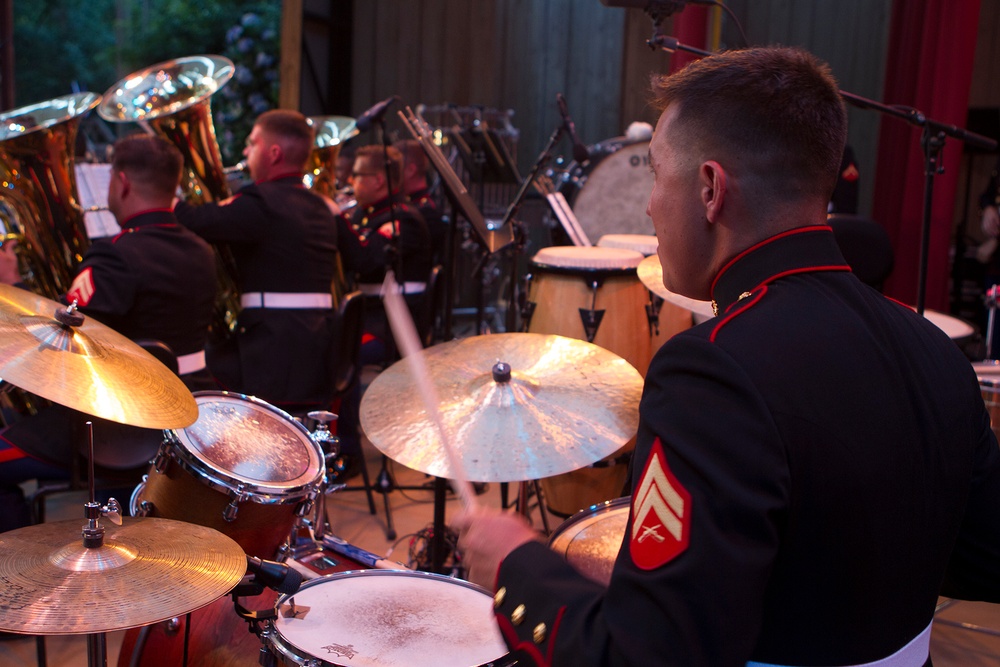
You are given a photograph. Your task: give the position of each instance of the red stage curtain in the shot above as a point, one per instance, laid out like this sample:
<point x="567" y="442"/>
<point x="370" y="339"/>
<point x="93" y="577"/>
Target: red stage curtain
<point x="929" y="67"/>
<point x="690" y="28"/>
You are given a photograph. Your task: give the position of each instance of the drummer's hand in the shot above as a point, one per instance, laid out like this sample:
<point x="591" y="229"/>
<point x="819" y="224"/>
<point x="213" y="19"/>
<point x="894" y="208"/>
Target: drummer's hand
<point x="486" y="537"/>
<point x="991" y="221"/>
<point x="10" y="273"/>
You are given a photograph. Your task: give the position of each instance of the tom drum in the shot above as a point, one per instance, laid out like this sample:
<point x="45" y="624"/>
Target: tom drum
<point x="591" y="538"/>
<point x="244" y="467"/>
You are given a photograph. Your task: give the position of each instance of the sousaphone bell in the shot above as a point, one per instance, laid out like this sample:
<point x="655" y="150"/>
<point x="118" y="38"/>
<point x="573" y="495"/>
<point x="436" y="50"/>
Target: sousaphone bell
<point x="173" y="98"/>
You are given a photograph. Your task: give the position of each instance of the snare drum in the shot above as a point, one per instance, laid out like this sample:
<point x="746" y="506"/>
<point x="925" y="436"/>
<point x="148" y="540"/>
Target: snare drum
<point x="590" y="539"/>
<point x="244" y="468"/>
<point x="609" y="192"/>
<point x="216" y="634"/>
<point x="386" y="618"/>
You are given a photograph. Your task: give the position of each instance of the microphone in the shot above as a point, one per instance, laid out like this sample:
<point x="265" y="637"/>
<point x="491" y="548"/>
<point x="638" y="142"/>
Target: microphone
<point x="580" y="152"/>
<point x="276" y="576"/>
<point x="370" y="117"/>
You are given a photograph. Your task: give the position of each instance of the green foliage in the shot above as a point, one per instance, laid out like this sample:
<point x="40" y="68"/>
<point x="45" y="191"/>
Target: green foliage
<point x="60" y="44"/>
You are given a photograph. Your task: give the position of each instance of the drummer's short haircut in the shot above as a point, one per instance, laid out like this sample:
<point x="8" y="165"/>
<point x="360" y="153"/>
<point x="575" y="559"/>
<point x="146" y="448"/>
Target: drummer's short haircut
<point x="374" y="157"/>
<point x="149" y="161"/>
<point x="773" y="113"/>
<point x="292" y="131"/>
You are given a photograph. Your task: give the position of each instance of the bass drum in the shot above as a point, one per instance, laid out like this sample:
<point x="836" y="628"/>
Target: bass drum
<point x="609" y="192"/>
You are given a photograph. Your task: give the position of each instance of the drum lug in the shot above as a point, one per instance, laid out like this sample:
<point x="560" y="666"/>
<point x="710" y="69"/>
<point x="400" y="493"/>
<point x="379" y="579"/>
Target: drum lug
<point x="160" y="461"/>
<point x="171" y="626"/>
<point x="653" y="313"/>
<point x="591" y="320"/>
<point x="136" y="506"/>
<point x="305" y="507"/>
<point x="233" y="508"/>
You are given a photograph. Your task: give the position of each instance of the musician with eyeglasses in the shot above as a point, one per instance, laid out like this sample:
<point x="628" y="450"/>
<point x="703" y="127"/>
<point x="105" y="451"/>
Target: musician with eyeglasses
<point x="283" y="239"/>
<point x="381" y="233"/>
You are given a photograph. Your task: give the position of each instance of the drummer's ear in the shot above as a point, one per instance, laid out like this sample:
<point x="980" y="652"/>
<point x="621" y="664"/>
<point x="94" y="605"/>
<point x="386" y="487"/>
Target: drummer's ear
<point x="712" y="179"/>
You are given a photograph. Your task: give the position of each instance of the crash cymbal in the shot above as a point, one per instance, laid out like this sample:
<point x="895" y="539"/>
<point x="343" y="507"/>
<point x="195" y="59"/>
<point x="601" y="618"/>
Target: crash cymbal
<point x="567" y="403"/>
<point x="90" y="367"/>
<point x="651" y="274"/>
<point x="148" y="570"/>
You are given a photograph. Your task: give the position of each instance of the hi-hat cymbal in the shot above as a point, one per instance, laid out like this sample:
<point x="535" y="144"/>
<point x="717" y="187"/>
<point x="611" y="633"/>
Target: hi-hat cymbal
<point x="651" y="274"/>
<point x="90" y="368"/>
<point x="567" y="404"/>
<point x="148" y="570"/>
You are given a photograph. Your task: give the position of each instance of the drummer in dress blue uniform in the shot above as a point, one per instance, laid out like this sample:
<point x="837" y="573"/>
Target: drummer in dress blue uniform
<point x="813" y="467"/>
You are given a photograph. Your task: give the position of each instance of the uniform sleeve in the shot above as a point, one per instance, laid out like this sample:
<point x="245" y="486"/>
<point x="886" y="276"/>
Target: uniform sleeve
<point x="974" y="568"/>
<point x="360" y="256"/>
<point x="706" y="558"/>
<point x="243" y="218"/>
<point x="104" y="286"/>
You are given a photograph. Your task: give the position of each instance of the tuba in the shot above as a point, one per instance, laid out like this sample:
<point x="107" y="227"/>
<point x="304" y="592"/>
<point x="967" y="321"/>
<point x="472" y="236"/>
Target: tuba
<point x="172" y="98"/>
<point x="39" y="207"/>
<point x="331" y="132"/>
<point x="38" y="199"/>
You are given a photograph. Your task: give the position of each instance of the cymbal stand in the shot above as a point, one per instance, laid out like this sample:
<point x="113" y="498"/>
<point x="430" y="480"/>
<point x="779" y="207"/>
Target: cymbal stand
<point x="93" y="538"/>
<point x="519" y="237"/>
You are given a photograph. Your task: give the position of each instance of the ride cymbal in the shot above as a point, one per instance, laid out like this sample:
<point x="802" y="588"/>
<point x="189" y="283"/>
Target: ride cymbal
<point x="562" y="404"/>
<point x="89" y="367"/>
<point x="148" y="570"/>
<point x="651" y="274"/>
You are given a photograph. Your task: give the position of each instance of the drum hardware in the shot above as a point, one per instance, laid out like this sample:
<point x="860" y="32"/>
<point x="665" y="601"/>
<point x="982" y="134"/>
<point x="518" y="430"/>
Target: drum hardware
<point x="653" y="313"/>
<point x="527" y="306"/>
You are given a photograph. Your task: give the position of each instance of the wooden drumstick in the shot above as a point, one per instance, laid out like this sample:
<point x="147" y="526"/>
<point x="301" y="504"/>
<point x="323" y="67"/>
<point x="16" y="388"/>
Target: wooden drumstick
<point x="405" y="334"/>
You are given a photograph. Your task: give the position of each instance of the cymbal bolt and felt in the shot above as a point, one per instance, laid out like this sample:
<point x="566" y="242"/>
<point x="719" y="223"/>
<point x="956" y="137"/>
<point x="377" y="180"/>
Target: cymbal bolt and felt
<point x="501" y="372"/>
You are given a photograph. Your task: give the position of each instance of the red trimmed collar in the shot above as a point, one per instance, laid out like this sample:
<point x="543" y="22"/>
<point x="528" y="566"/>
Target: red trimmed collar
<point x="134" y="221"/>
<point x="799" y="250"/>
<point x="280" y="177"/>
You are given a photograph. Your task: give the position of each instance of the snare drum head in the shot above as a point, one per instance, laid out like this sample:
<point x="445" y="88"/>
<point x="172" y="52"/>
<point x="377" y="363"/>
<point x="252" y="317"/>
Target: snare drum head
<point x="614" y="189"/>
<point x="591" y="538"/>
<point x="390" y="617"/>
<point x="251" y="442"/>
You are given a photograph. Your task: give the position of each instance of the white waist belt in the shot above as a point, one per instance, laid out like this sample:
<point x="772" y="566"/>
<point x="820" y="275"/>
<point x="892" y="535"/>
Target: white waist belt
<point x="375" y="289"/>
<point x="287" y="300"/>
<point x="914" y="654"/>
<point x="189" y="363"/>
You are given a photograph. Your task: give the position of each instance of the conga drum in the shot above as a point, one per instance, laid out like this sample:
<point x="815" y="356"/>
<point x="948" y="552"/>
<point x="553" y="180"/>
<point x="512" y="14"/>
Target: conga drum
<point x="665" y="318"/>
<point x="592" y="294"/>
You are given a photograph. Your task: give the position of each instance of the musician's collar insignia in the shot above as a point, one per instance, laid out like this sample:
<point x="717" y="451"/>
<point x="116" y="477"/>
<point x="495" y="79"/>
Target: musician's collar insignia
<point x="661" y="514"/>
